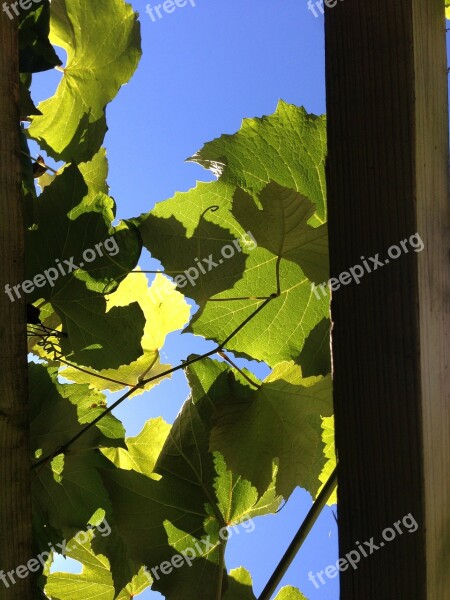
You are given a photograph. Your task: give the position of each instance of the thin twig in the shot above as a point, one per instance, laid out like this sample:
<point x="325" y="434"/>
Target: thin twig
<point x="238" y="298"/>
<point x="41" y="162"/>
<point x="300" y="537"/>
<point x="64" y="447"/>
<point x="142" y="375"/>
<point x="159" y="271"/>
<point x="124" y="383"/>
<point x="243" y="373"/>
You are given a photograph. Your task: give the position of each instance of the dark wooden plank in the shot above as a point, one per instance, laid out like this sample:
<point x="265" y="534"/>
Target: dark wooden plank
<point x="15" y="501"/>
<point x="387" y="177"/>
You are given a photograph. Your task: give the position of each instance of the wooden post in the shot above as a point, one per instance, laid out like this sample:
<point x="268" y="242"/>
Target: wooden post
<point x="387" y="178"/>
<point x="15" y="500"/>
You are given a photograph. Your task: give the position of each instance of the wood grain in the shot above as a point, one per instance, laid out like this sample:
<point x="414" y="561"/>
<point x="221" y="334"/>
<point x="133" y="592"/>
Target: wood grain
<point x="15" y="502"/>
<point x="387" y="178"/>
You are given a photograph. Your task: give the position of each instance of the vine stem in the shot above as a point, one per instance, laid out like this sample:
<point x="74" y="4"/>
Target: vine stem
<point x="43" y="164"/>
<point x="221" y="570"/>
<point x="300" y="537"/>
<point x="234" y="365"/>
<point x="63" y="449"/>
<point x="159" y="271"/>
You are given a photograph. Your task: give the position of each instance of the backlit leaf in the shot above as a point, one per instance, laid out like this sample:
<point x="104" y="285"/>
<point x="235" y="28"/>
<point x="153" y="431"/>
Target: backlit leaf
<point x="102" y="42"/>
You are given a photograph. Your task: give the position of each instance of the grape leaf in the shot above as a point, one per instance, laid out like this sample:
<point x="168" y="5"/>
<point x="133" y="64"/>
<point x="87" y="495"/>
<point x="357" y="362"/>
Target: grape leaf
<point x="288" y="147"/>
<point x="290" y="593"/>
<point x="68" y="492"/>
<point x="67" y="226"/>
<point x="58" y="412"/>
<point x="27" y="106"/>
<point x="194" y="499"/>
<point x="165" y="310"/>
<point x="189" y="253"/>
<point x="285" y="241"/>
<point x="143" y="450"/>
<point x="315" y="357"/>
<point x="279" y="421"/>
<point x="330" y="455"/>
<point x="35" y="50"/>
<point x="235" y="498"/>
<point x="250" y="272"/>
<point x="102" y="41"/>
<point x="140" y="456"/>
<point x="240" y="585"/>
<point x="95" y="580"/>
<point x="281" y="226"/>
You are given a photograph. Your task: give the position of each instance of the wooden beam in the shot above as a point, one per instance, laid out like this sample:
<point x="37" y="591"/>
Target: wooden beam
<point x="15" y="497"/>
<point x="387" y="178"/>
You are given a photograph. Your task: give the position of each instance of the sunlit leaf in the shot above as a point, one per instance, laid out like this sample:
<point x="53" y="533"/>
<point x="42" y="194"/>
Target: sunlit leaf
<point x="102" y="42"/>
<point x="330" y="455"/>
<point x="95" y="580"/>
<point x="74" y="231"/>
<point x="165" y="310"/>
<point x="288" y="147"/>
<point x="279" y="421"/>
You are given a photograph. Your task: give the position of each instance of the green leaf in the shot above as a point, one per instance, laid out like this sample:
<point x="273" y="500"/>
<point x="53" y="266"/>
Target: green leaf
<point x="237" y="499"/>
<point x="240" y="585"/>
<point x="68" y="492"/>
<point x="290" y="593"/>
<point x="281" y="226"/>
<point x="183" y="506"/>
<point x="144" y="505"/>
<point x="95" y="173"/>
<point x="27" y="106"/>
<point x="102" y="41"/>
<point x="288" y="250"/>
<point x="315" y="357"/>
<point x="59" y="411"/>
<point x="143" y="450"/>
<point x="69" y="224"/>
<point x="66" y="496"/>
<point x="279" y="161"/>
<point x="279" y="331"/>
<point x="182" y="237"/>
<point x="95" y="581"/>
<point x="165" y="310"/>
<point x="330" y="455"/>
<point x="281" y="421"/>
<point x="123" y="568"/>
<point x="144" y="508"/>
<point x="250" y="272"/>
<point x="288" y="147"/>
<point x="35" y="50"/>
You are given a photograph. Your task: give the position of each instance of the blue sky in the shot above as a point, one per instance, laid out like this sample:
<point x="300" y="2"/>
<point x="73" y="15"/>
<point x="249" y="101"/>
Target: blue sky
<point x="204" y="69"/>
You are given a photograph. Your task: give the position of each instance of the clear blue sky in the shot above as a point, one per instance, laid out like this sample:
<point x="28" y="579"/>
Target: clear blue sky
<point x="203" y="70"/>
